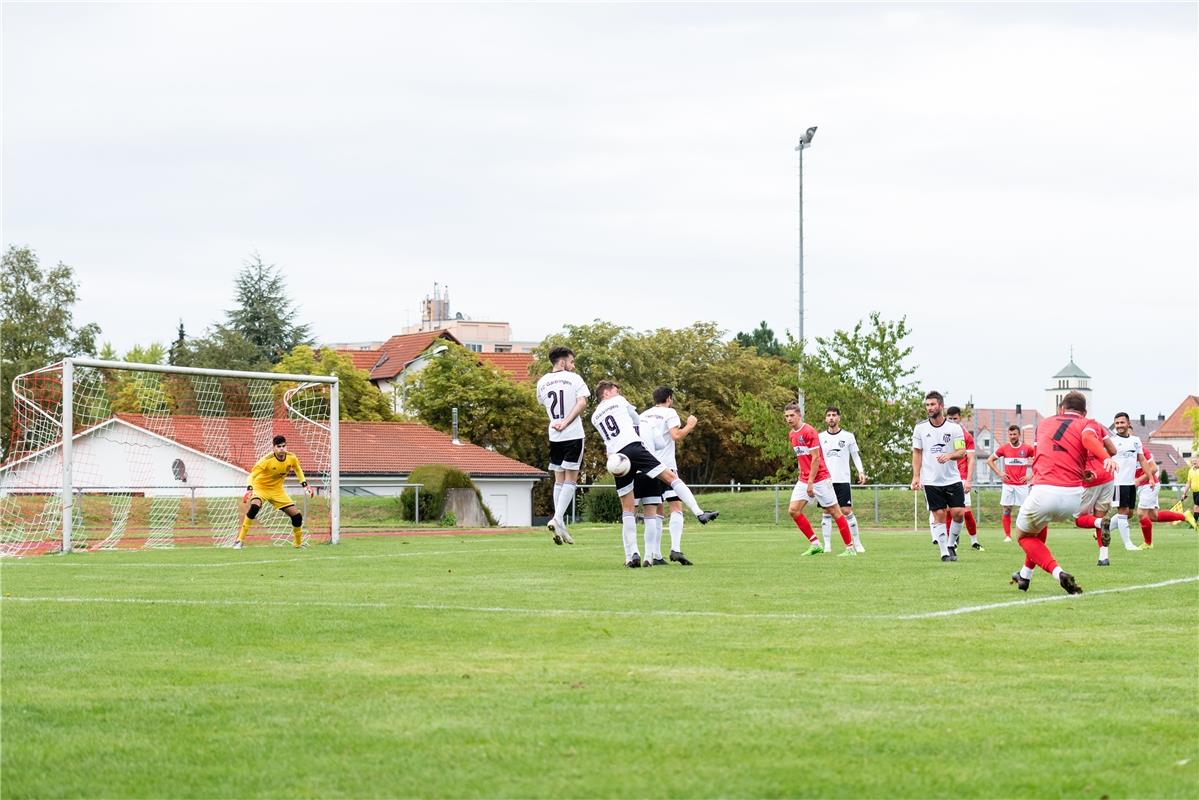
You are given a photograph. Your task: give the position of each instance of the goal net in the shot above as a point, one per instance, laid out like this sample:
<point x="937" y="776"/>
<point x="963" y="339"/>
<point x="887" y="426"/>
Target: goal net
<point x="108" y="455"/>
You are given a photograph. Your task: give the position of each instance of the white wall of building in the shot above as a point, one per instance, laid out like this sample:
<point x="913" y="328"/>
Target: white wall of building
<point x="122" y="457"/>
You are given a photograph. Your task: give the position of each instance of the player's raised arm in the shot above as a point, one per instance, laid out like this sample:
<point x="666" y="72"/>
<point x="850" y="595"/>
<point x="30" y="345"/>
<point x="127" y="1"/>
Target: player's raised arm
<point x="678" y="433"/>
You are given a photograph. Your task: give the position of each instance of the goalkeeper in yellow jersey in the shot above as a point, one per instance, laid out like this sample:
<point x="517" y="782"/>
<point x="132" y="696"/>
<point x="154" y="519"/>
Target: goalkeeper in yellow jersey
<point x="266" y="484"/>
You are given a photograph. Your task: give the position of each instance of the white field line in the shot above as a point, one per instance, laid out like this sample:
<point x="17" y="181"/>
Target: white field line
<point x="236" y="562"/>
<point x="583" y="612"/>
<point x="1028" y="601"/>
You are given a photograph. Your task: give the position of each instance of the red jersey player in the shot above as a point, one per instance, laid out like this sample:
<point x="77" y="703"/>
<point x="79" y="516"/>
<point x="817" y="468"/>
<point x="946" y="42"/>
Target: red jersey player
<point x="814" y="483"/>
<point x="1017" y="458"/>
<point x="1147" y="502"/>
<point x="1063" y="442"/>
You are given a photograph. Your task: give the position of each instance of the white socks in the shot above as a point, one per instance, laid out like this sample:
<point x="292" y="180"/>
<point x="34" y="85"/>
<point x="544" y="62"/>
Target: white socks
<point x="676" y="531"/>
<point x="564" y="495"/>
<point x="628" y="532"/>
<point x="1102" y="552"/>
<point x="955" y="531"/>
<point x="942" y="537"/>
<point x="685" y="495"/>
<point x="1026" y="573"/>
<point x="653" y="537"/>
<point x="853" y="529"/>
<point x="1122" y="523"/>
<point x="826" y="528"/>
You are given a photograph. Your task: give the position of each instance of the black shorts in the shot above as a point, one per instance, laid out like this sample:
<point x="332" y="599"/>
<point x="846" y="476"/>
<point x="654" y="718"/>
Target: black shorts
<point x="940" y="497"/>
<point x="648" y="490"/>
<point x="844" y="498"/>
<point x="1195" y="498"/>
<point x="1124" y="497"/>
<point x="642" y="462"/>
<point x="566" y="454"/>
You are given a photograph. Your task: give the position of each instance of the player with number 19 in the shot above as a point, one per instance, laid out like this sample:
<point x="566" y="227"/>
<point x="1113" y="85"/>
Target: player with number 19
<point x="564" y="395"/>
<point x="618" y="423"/>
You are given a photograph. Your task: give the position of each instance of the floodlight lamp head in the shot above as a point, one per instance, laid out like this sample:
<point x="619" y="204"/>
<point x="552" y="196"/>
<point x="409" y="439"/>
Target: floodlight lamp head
<point x="806" y="139"/>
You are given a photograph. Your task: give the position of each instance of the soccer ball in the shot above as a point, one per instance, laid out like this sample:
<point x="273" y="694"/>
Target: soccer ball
<point x="618" y="464"/>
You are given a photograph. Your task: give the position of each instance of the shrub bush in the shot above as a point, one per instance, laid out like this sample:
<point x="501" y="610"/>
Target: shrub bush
<point x="601" y="503"/>
<point x="435" y="480"/>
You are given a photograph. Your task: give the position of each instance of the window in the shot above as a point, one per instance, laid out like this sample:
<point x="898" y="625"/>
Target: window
<point x="503" y="348"/>
<point x="474" y="348"/>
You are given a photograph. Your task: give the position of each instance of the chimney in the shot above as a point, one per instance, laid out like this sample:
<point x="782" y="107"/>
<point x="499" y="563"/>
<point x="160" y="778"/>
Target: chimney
<point x="1161" y="417"/>
<point x="1142" y="420"/>
<point x="454" y="437"/>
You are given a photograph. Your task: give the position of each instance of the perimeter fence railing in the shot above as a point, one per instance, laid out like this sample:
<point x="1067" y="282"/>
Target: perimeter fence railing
<point x="888" y="505"/>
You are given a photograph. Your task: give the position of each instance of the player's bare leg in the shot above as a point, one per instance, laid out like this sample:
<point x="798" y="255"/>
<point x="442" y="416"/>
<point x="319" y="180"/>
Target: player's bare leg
<point x="1038" y="554"/>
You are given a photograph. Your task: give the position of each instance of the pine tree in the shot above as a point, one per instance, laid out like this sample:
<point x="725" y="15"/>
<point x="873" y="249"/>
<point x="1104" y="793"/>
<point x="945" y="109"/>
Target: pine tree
<point x="265" y="315"/>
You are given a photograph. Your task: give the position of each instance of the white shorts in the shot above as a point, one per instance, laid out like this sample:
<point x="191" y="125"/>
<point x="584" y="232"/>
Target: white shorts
<point x="1046" y="504"/>
<point x="826" y="496"/>
<point x="1096" y="500"/>
<point x="1013" y="495"/>
<point x="1147" y="496"/>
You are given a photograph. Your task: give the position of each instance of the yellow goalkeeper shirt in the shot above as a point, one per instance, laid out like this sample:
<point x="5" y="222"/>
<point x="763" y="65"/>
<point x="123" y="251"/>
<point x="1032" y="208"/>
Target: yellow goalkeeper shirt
<point x="1193" y="479"/>
<point x="269" y="473"/>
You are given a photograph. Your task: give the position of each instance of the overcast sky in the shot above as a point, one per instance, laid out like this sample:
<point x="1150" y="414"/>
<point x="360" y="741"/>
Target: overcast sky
<point x="1012" y="178"/>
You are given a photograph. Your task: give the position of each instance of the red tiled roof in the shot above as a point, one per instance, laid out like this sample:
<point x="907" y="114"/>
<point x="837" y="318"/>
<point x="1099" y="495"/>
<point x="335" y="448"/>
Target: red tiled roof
<point x="996" y="421"/>
<point x="515" y="365"/>
<point x="1165" y="455"/>
<point x="363" y="359"/>
<point x="1178" y="424"/>
<point x="371" y="448"/>
<point x="399" y="351"/>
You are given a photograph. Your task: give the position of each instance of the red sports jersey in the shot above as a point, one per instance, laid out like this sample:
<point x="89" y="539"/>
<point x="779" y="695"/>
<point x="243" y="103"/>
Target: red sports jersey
<point x="1139" y="477"/>
<point x="805" y="442"/>
<point x="1016" y="461"/>
<point x="964" y="463"/>
<point x="1101" y="477"/>
<point x="1061" y="455"/>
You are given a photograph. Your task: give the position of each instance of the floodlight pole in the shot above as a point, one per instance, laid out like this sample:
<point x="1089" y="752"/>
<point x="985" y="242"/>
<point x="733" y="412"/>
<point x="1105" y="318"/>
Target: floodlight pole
<point x="805" y="142"/>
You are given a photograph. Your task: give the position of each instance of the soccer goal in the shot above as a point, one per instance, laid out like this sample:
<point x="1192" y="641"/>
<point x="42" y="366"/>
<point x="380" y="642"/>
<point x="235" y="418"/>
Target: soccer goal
<point x="108" y="455"/>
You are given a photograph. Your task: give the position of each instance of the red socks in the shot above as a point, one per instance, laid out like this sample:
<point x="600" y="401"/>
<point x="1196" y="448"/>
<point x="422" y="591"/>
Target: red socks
<point x="971" y="526"/>
<point x="1037" y="553"/>
<point x="843" y="526"/>
<point x="1007" y="525"/>
<point x="1147" y="529"/>
<point x="805" y="527"/>
<point x="1170" y="516"/>
<point x="1085" y="521"/>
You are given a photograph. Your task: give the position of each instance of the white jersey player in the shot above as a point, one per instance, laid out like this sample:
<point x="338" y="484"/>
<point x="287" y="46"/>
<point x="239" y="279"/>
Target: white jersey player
<point x="564" y="395"/>
<point x="618" y="423"/>
<point x="1130" y="454"/>
<point x="839" y="446"/>
<point x="937" y="445"/>
<point x="662" y="421"/>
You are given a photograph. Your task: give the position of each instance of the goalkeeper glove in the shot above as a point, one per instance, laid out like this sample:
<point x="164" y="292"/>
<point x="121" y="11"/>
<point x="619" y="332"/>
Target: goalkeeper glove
<point x="245" y="498"/>
<point x="307" y="488"/>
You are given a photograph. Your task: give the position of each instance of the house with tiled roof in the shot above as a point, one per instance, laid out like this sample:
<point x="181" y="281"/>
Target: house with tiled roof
<point x="516" y="366"/>
<point x="1177" y="430"/>
<point x="989" y="428"/>
<point x="172" y="456"/>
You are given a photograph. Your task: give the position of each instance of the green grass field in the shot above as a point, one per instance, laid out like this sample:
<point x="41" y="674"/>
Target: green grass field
<point x="501" y="665"/>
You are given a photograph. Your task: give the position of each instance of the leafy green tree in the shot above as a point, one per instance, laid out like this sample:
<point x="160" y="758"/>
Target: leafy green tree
<point x="358" y="399"/>
<point x="864" y="372"/>
<point x="265" y="315"/>
<point x="493" y="411"/>
<point x="36" y="322"/>
<point x="761" y="339"/>
<point x="222" y="348"/>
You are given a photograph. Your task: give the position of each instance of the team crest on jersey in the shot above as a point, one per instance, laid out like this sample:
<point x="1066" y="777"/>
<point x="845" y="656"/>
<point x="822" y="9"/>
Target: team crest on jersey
<point x="945" y="438"/>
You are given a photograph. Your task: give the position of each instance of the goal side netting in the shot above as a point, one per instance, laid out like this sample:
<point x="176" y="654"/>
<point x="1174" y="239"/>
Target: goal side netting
<point x="114" y="455"/>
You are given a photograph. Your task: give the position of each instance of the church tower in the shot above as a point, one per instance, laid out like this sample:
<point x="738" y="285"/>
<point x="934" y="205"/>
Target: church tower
<point x="1068" y="378"/>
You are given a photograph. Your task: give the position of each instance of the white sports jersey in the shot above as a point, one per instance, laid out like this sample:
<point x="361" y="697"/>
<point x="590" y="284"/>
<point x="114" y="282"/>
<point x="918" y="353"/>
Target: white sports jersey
<point x="934" y="440"/>
<point x="838" y="448"/>
<point x="662" y="419"/>
<point x="617" y="421"/>
<point x="1127" y="450"/>
<point x="558" y="392"/>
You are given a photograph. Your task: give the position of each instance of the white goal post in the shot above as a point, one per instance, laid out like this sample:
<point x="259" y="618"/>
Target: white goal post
<point x="158" y="450"/>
